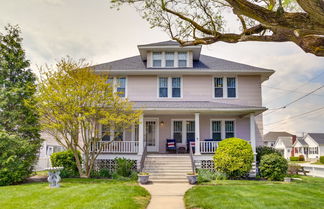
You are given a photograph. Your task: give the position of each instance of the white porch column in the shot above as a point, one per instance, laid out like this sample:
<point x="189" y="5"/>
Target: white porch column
<point x="197" y="134"/>
<point x="141" y="135"/>
<point x="252" y="132"/>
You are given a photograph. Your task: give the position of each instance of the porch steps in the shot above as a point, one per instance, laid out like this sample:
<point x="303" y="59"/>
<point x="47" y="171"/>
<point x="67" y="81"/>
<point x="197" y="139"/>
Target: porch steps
<point x="167" y="168"/>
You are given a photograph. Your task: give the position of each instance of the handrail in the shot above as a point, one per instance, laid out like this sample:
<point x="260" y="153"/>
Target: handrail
<point x="143" y="158"/>
<point x="193" y="166"/>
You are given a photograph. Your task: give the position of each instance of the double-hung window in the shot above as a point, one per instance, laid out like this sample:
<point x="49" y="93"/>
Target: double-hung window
<point x="190" y="130"/>
<point x="218" y="82"/>
<point x="182" y="59"/>
<point x="169" y="59"/>
<point x="157" y="59"/>
<point x="105" y="133"/>
<point x="231" y="87"/>
<point x="176" y="87"/>
<point x="229" y="129"/>
<point x="169" y="87"/>
<point x="177" y="131"/>
<point x="217" y="130"/>
<point x="121" y="86"/>
<point x="163" y="87"/>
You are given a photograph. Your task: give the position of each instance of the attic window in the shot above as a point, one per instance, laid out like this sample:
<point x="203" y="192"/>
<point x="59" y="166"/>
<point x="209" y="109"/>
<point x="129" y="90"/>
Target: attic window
<point x="182" y="59"/>
<point x="169" y="59"/>
<point x="157" y="59"/>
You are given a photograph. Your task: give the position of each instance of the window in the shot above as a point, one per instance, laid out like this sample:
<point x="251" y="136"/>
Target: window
<point x="231" y="87"/>
<point x="224" y="87"/>
<point x="190" y="130"/>
<point x="169" y="59"/>
<point x="119" y="135"/>
<point x="121" y="86"/>
<point x="216" y="130"/>
<point x="229" y="129"/>
<point x="110" y="80"/>
<point x="169" y="87"/>
<point x="136" y="133"/>
<point x="177" y="131"/>
<point x="182" y="59"/>
<point x="176" y="87"/>
<point x="157" y="59"/>
<point x="105" y="133"/>
<point x="218" y="87"/>
<point x="163" y="87"/>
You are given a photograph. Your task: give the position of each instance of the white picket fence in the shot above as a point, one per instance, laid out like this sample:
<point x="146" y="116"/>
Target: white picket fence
<point x="208" y="146"/>
<point x="119" y="146"/>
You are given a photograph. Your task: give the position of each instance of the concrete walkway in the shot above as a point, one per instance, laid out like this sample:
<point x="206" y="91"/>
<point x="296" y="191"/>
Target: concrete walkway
<point x="167" y="195"/>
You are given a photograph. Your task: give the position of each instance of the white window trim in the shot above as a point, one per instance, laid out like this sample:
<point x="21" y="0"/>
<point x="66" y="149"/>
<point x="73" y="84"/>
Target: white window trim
<point x="176" y="59"/>
<point x="225" y="87"/>
<point x="114" y="83"/>
<point x="169" y="87"/>
<point x="184" y="129"/>
<point x="223" y="133"/>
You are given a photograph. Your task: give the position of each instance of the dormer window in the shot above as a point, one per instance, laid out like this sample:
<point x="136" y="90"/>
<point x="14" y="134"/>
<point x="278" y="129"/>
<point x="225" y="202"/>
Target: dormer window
<point x="169" y="59"/>
<point x="157" y="59"/>
<point x="182" y="59"/>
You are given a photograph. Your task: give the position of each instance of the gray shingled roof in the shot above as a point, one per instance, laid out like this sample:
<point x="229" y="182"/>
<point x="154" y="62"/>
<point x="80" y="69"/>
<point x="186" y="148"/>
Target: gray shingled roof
<point x="204" y="63"/>
<point x="162" y="43"/>
<point x="189" y="104"/>
<point x="318" y="137"/>
<point x="273" y="136"/>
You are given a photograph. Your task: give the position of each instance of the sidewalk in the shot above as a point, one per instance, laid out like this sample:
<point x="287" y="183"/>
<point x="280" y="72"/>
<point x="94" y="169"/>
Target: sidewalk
<point x="166" y="195"/>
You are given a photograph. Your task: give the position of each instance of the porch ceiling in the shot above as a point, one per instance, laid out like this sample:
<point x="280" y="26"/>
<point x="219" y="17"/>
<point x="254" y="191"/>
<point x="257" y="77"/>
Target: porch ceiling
<point x="188" y="107"/>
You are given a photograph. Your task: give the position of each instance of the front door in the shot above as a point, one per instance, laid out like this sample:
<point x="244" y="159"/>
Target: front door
<point x="151" y="134"/>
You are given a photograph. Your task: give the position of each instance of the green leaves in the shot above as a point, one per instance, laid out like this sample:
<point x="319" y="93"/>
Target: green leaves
<point x="234" y="157"/>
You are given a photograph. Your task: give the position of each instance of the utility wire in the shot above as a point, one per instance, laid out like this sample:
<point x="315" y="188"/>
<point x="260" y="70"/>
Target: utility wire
<point x="295" y="116"/>
<point x="292" y="91"/>
<point x="294" y="101"/>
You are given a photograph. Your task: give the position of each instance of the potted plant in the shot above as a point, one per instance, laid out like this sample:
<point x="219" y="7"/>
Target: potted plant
<point x="143" y="177"/>
<point x="192" y="177"/>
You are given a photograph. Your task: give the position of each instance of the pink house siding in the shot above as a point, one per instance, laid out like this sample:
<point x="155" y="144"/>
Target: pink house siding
<point x="195" y="88"/>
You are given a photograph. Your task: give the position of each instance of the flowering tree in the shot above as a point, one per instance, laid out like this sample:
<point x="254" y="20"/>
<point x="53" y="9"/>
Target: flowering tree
<point x="73" y="102"/>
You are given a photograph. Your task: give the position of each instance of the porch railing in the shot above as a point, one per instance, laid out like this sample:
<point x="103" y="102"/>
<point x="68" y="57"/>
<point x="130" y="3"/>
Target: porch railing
<point x="208" y="146"/>
<point x="119" y="147"/>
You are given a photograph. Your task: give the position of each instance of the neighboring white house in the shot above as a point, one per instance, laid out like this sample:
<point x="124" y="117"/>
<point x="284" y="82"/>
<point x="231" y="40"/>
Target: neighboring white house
<point x="48" y="147"/>
<point x="284" y="145"/>
<point x="311" y="146"/>
<point x="271" y="137"/>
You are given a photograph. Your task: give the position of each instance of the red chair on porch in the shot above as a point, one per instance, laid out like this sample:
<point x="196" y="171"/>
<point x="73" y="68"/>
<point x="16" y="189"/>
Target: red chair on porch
<point x="171" y="145"/>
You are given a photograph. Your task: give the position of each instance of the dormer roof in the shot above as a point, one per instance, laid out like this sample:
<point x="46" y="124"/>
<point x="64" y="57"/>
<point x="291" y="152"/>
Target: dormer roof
<point x="168" y="46"/>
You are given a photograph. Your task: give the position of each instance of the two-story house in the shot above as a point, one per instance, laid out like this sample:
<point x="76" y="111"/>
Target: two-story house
<point x="185" y="96"/>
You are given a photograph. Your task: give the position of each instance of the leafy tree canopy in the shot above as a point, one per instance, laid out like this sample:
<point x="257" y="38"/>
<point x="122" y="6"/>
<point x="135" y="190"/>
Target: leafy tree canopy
<point x="74" y="102"/>
<point x="192" y="22"/>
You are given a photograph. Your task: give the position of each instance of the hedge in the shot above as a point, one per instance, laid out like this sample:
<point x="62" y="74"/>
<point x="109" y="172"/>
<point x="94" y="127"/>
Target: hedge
<point x="294" y="158"/>
<point x="65" y="159"/>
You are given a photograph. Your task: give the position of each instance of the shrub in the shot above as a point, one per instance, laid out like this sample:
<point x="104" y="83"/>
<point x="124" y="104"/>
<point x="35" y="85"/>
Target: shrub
<point x="234" y="157"/>
<point x="273" y="167"/>
<point x="66" y="160"/>
<point x="301" y="158"/>
<point x="205" y="175"/>
<point x="124" y="167"/>
<point x="294" y="158"/>
<point x="101" y="173"/>
<point x="321" y="159"/>
<point x="264" y="150"/>
<point x="17" y="157"/>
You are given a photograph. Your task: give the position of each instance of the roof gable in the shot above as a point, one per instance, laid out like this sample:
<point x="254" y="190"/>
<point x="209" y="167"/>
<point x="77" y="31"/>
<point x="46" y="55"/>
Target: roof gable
<point x="317" y="137"/>
<point x="273" y="136"/>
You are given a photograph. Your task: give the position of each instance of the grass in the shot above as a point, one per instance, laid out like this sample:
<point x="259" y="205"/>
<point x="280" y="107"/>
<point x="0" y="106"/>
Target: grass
<point x="298" y="162"/>
<point x="305" y="194"/>
<point x="76" y="194"/>
<point x="318" y="163"/>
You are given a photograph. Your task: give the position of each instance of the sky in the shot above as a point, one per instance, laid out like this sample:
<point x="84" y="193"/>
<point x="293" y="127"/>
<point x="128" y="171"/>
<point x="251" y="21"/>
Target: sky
<point x="52" y="29"/>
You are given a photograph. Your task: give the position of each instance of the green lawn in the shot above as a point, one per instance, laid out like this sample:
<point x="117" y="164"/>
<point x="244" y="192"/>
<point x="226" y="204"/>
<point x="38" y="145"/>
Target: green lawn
<point x="305" y="194"/>
<point x="76" y="193"/>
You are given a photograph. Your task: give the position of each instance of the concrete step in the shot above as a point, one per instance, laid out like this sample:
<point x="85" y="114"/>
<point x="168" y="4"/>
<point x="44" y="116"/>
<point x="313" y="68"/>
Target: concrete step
<point x="168" y="174"/>
<point x="162" y="164"/>
<point x="168" y="177"/>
